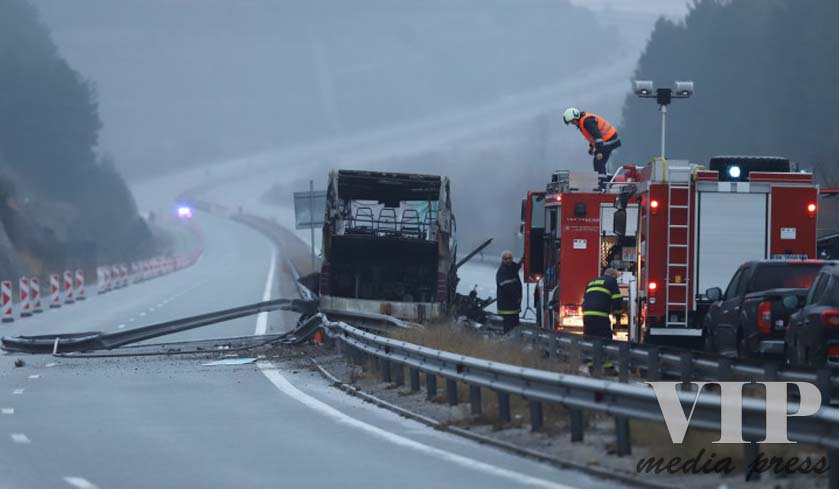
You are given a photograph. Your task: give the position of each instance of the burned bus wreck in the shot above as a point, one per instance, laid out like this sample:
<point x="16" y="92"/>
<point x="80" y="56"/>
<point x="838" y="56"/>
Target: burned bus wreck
<point x="388" y="245"/>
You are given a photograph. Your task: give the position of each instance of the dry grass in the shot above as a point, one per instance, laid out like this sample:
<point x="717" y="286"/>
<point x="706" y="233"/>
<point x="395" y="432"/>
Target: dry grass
<point x="456" y="339"/>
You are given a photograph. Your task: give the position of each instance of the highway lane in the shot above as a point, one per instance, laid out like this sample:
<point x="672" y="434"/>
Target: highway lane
<point x="172" y="422"/>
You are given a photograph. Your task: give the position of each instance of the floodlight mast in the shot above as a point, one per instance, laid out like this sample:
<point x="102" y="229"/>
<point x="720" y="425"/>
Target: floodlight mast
<point x="663" y="96"/>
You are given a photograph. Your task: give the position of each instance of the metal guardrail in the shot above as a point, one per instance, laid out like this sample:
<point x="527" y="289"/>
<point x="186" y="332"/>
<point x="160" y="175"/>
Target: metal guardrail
<point x="105" y="341"/>
<point x="268" y="228"/>
<point x="623" y="401"/>
<point x="686" y="365"/>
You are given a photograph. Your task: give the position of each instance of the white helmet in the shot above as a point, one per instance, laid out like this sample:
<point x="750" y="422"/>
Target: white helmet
<point x="570" y="114"/>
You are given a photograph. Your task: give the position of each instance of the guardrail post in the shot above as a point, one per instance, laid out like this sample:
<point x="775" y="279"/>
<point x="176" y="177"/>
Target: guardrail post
<point x="624" y="441"/>
<point x="750" y="454"/>
<point x="504" y="407"/>
<point x="430" y="386"/>
<point x="536" y="419"/>
<point x="770" y="372"/>
<point x="552" y="343"/>
<point x="451" y="392"/>
<point x="653" y="364"/>
<point x="575" y="356"/>
<point x="597" y="357"/>
<point x="824" y="385"/>
<point x="833" y="461"/>
<point x="576" y="424"/>
<point x="386" y="371"/>
<point x="415" y="380"/>
<point x="400" y="375"/>
<point x="624" y="362"/>
<point x="686" y="371"/>
<point x="475" y="399"/>
<point x="724" y="368"/>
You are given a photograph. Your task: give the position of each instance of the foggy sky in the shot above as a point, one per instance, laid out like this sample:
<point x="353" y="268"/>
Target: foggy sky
<point x="188" y="81"/>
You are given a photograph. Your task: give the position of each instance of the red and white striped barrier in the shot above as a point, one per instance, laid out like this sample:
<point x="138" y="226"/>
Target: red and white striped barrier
<point x="55" y="290"/>
<point x="23" y="291"/>
<point x="68" y="287"/>
<point x="115" y="282"/>
<point x="6" y="302"/>
<point x="123" y="274"/>
<point x="35" y="292"/>
<point x="79" y="285"/>
<point x="100" y="281"/>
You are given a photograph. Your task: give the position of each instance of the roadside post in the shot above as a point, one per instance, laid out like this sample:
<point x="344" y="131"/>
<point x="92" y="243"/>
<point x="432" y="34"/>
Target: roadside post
<point x="309" y="209"/>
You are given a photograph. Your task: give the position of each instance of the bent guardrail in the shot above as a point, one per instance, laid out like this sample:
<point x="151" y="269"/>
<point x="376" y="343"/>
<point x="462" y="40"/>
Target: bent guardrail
<point x="623" y="401"/>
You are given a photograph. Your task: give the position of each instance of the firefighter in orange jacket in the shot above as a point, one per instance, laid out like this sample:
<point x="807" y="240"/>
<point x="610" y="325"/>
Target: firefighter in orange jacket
<point x="602" y="137"/>
<point x="603" y="297"/>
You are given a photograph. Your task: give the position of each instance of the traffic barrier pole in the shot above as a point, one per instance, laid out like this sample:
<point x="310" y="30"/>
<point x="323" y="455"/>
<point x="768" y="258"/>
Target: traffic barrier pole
<point x="55" y="290"/>
<point x="80" y="285"/>
<point x="25" y="299"/>
<point x="100" y="280"/>
<point x="68" y="287"/>
<point x="35" y="293"/>
<point x="123" y="272"/>
<point x="115" y="283"/>
<point x="6" y="301"/>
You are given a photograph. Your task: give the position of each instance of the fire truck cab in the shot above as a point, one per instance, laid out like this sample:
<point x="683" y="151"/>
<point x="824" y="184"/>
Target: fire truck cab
<point x="696" y="225"/>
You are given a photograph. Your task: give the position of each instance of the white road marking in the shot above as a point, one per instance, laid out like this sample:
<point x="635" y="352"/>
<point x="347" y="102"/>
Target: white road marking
<point x="142" y="314"/>
<point x="51" y="364"/>
<point x="160" y="305"/>
<point x="285" y="386"/>
<point x="20" y="438"/>
<point x="151" y="309"/>
<point x="120" y="326"/>
<point x="80" y="483"/>
<point x="7" y="410"/>
<point x="130" y="320"/>
<point x="262" y="317"/>
<point x="280" y="382"/>
<point x="17" y="392"/>
<point x="34" y="376"/>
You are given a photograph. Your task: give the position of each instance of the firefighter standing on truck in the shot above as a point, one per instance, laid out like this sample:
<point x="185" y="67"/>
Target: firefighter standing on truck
<point x="508" y="291"/>
<point x="603" y="297"/>
<point x="602" y="137"/>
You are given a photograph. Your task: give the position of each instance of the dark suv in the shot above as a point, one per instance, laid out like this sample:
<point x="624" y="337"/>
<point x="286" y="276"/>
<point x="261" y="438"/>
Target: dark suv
<point x="812" y="338"/>
<point x="750" y="318"/>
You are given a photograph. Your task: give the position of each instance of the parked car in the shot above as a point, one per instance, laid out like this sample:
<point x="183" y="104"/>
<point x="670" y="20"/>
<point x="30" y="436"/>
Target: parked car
<point x="812" y="337"/>
<point x="750" y="318"/>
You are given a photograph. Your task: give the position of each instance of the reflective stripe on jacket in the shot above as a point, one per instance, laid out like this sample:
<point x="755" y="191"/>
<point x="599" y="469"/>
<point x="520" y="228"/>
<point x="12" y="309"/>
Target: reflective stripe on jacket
<point x="603" y="296"/>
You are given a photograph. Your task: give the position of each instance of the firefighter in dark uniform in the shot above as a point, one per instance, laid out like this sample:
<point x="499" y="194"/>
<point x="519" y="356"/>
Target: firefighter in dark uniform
<point x="603" y="297"/>
<point x="508" y="291"/>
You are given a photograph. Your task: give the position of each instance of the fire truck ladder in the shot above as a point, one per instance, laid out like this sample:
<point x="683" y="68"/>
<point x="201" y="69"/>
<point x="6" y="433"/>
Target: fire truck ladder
<point x="678" y="216"/>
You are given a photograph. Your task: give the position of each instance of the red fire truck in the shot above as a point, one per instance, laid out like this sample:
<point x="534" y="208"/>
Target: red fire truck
<point x="674" y="229"/>
<point x="697" y="225"/>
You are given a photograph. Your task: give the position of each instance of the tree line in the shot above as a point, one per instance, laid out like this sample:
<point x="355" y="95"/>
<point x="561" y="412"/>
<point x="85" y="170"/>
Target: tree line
<point x="57" y="190"/>
<point x="766" y="84"/>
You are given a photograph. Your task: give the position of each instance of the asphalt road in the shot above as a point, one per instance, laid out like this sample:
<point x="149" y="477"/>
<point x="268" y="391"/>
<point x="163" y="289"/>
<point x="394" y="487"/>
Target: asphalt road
<point x="173" y="422"/>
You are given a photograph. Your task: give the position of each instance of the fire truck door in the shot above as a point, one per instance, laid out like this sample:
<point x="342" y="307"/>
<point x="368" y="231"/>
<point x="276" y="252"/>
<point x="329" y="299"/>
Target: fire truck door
<point x="731" y="229"/>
